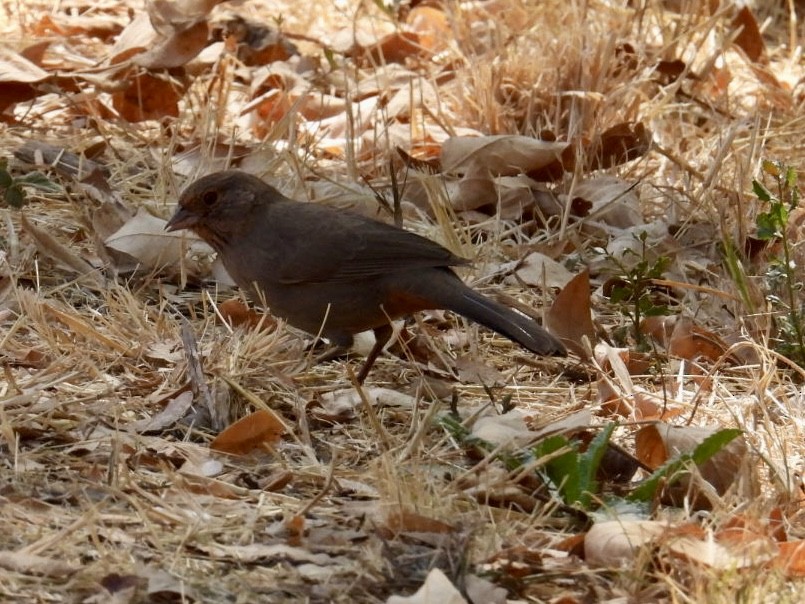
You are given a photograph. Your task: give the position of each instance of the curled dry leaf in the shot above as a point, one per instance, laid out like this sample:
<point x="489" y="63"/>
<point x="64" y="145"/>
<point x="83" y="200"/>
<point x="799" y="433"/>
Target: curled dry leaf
<point x="16" y="69"/>
<point x="499" y="155"/>
<point x="25" y="563"/>
<point x="749" y="38"/>
<point x="259" y="430"/>
<point x="617" y="145"/>
<point x="168" y="36"/>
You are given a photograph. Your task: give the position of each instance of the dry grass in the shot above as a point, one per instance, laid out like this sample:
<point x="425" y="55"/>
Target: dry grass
<point x="92" y="507"/>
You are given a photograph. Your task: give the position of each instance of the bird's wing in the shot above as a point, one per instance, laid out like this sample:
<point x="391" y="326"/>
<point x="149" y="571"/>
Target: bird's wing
<point x="325" y="244"/>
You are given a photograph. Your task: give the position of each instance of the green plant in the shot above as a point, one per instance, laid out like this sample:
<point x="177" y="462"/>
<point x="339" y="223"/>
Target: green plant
<point x="11" y="187"/>
<point x="784" y="286"/>
<point x="632" y="288"/>
<point x="569" y="469"/>
<point x="573" y="472"/>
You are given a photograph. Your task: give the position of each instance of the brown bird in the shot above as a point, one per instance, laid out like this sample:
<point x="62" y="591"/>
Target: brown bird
<point x="335" y="272"/>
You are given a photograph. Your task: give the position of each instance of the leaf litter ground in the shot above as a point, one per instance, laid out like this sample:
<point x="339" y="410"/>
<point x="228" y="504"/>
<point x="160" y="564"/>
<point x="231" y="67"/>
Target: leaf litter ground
<point x="163" y="442"/>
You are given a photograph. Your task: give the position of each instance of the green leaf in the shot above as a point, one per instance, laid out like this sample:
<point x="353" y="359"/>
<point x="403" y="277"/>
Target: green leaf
<point x="588" y="465"/>
<point x="760" y="191"/>
<point x="5" y="178"/>
<point x="15" y="196"/>
<point x="790" y="177"/>
<point x="38" y="181"/>
<point x="671" y="469"/>
<point x="563" y="469"/>
<point x="766" y="227"/>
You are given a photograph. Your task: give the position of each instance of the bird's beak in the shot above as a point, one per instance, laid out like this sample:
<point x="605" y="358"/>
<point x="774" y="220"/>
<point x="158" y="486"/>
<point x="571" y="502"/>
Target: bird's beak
<point x="182" y="219"/>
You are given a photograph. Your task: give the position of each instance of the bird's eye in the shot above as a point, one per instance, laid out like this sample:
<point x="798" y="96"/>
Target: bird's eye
<point x="209" y="198"/>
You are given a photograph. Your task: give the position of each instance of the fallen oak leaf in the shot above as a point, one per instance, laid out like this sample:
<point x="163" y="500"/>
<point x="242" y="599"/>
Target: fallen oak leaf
<point x="259" y="430"/>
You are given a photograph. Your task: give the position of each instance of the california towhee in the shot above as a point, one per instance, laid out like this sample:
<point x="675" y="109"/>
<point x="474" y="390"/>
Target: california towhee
<point x="335" y="272"/>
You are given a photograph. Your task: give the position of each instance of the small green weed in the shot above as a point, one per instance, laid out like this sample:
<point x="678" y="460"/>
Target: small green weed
<point x="783" y="276"/>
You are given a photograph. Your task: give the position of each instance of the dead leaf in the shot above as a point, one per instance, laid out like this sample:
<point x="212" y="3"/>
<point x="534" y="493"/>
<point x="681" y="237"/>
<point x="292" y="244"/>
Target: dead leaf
<point x="683" y="338"/>
<point x="749" y="38"/>
<point x="617" y="145"/>
<point x="259" y="430"/>
<point x="144" y="238"/>
<point x="616" y="543"/>
<point x="509" y="429"/>
<point x="499" y="155"/>
<point x="264" y="553"/>
<point x="341" y="404"/>
<point x="539" y="270"/>
<point x="31" y="564"/>
<point x="14" y="68"/>
<point x="235" y="312"/>
<point x="437" y="589"/>
<point x="405" y="521"/>
<point x="611" y="201"/>
<point x="474" y="371"/>
<point x="147" y="97"/>
<point x="791" y="558"/>
<point x="483" y="591"/>
<point x="659" y="442"/>
<point x="175" y="410"/>
<point x="431" y="26"/>
<point x="570" y="317"/>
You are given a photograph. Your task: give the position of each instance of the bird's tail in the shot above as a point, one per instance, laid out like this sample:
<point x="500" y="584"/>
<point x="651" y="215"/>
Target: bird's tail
<point x="502" y="319"/>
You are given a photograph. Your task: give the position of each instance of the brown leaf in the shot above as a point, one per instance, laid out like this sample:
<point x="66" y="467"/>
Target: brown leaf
<point x="404" y="521"/>
<point x="147" y="97"/>
<point x="791" y="558"/>
<point x="237" y="313"/>
<point x="691" y="342"/>
<point x="16" y="68"/>
<point x="749" y="39"/>
<point x="431" y="25"/>
<point x="259" y="430"/>
<point x="570" y="316"/>
<point x="393" y="48"/>
<point x="177" y="50"/>
<point x="617" y="145"/>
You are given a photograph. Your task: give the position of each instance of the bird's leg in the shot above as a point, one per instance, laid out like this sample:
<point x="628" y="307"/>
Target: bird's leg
<point x="382" y="336"/>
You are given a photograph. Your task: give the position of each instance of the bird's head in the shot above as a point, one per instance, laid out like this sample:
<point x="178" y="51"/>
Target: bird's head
<point x="222" y="205"/>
